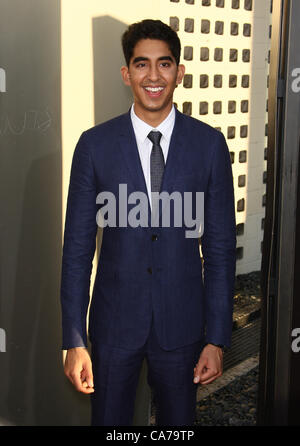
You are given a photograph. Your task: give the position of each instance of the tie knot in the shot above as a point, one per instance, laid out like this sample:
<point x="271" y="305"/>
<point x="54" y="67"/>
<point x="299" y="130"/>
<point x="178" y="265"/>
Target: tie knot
<point x="154" y="137"/>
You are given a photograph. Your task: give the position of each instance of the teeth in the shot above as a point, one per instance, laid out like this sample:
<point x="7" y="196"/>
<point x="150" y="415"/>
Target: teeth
<point x="154" y="89"/>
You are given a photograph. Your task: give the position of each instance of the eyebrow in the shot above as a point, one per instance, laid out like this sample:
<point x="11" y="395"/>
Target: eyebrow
<point x="141" y="58"/>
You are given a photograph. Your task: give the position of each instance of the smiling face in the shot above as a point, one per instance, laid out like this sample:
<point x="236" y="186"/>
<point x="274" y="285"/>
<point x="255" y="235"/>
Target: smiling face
<point x="152" y="75"/>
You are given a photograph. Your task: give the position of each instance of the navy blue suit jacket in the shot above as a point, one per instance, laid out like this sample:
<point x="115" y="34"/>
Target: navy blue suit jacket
<point x="138" y="275"/>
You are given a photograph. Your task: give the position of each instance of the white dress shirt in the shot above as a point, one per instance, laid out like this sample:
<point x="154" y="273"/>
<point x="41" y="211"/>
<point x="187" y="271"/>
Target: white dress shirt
<point x="142" y="130"/>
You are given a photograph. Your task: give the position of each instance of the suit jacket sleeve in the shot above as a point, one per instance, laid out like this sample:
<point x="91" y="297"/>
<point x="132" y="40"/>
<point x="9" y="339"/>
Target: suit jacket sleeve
<point x="79" y="247"/>
<point x="219" y="247"/>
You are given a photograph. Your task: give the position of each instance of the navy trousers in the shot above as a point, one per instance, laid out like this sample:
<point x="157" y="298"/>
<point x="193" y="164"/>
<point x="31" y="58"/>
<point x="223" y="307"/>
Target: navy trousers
<point x="170" y="375"/>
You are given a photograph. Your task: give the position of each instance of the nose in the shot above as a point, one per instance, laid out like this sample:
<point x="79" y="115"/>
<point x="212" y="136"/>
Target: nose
<point x="153" y="74"/>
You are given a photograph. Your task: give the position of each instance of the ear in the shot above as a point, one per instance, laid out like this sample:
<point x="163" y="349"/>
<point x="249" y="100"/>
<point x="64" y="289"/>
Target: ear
<point x="180" y="73"/>
<point x="125" y="75"/>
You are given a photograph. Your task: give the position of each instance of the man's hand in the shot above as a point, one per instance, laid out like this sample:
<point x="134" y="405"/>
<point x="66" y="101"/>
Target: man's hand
<point x="78" y="368"/>
<point x="210" y="365"/>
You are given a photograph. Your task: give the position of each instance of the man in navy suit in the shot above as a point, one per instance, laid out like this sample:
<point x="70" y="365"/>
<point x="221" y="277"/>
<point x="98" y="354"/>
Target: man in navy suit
<point x="153" y="297"/>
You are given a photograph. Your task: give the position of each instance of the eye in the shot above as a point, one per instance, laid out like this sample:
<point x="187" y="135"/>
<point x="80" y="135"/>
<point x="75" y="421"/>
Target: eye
<point x="141" y="65"/>
<point x="165" y="64"/>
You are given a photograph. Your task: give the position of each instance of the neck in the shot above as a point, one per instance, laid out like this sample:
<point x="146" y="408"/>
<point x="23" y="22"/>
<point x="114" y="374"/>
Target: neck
<point x="152" y="118"/>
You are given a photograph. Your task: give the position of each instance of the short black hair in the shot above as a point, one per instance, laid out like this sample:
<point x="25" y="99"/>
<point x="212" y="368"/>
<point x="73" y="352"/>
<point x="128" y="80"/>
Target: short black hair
<point x="150" y="29"/>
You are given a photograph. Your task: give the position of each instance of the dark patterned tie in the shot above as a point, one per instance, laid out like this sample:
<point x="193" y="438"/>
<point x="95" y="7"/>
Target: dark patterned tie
<point x="157" y="165"/>
<point x="157" y="162"/>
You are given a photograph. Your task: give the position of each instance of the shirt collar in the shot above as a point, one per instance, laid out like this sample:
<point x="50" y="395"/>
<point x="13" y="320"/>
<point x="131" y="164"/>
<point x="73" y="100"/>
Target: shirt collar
<point x="142" y="129"/>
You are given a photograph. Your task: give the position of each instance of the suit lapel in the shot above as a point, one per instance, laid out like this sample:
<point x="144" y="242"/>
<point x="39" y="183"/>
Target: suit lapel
<point x="175" y="159"/>
<point x="131" y="157"/>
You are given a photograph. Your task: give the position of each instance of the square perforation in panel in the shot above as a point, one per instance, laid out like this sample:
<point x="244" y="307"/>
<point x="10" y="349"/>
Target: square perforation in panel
<point x="174" y="23"/>
<point x="189" y="25"/>
<point x="218" y="54"/>
<point x="204" y="54"/>
<point x="243" y="131"/>
<point x="232" y="80"/>
<point x="230" y="132"/>
<point x="174" y="1"/>
<point x="233" y="55"/>
<point x="188" y="81"/>
<point x="218" y="80"/>
<point x="220" y="3"/>
<point x="245" y="81"/>
<point x="243" y="156"/>
<point x="187" y="108"/>
<point x="265" y="177"/>
<point x="247" y="29"/>
<point x="242" y="180"/>
<point x="219" y="28"/>
<point x="248" y="5"/>
<point x="205" y="26"/>
<point x="205" y="2"/>
<point x="239" y="253"/>
<point x="235" y="4"/>
<point x="234" y="28"/>
<point x="217" y="107"/>
<point x="231" y="106"/>
<point x="232" y="157"/>
<point x="246" y="55"/>
<point x="264" y="200"/>
<point x="240" y="229"/>
<point x="190" y="2"/>
<point x="188" y="53"/>
<point x="240" y="205"/>
<point x="244" y="106"/>
<point x="204" y="81"/>
<point x="203" y="108"/>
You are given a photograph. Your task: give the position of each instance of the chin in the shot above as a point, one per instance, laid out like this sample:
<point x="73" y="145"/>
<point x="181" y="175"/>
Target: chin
<point x="156" y="107"/>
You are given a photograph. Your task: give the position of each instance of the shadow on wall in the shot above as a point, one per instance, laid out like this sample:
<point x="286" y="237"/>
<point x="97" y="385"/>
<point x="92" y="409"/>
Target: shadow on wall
<point x="33" y="388"/>
<point x="112" y="97"/>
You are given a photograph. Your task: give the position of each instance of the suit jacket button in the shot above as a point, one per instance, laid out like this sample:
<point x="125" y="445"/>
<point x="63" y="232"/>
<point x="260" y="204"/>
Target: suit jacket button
<point x="149" y="270"/>
<point x="154" y="237"/>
